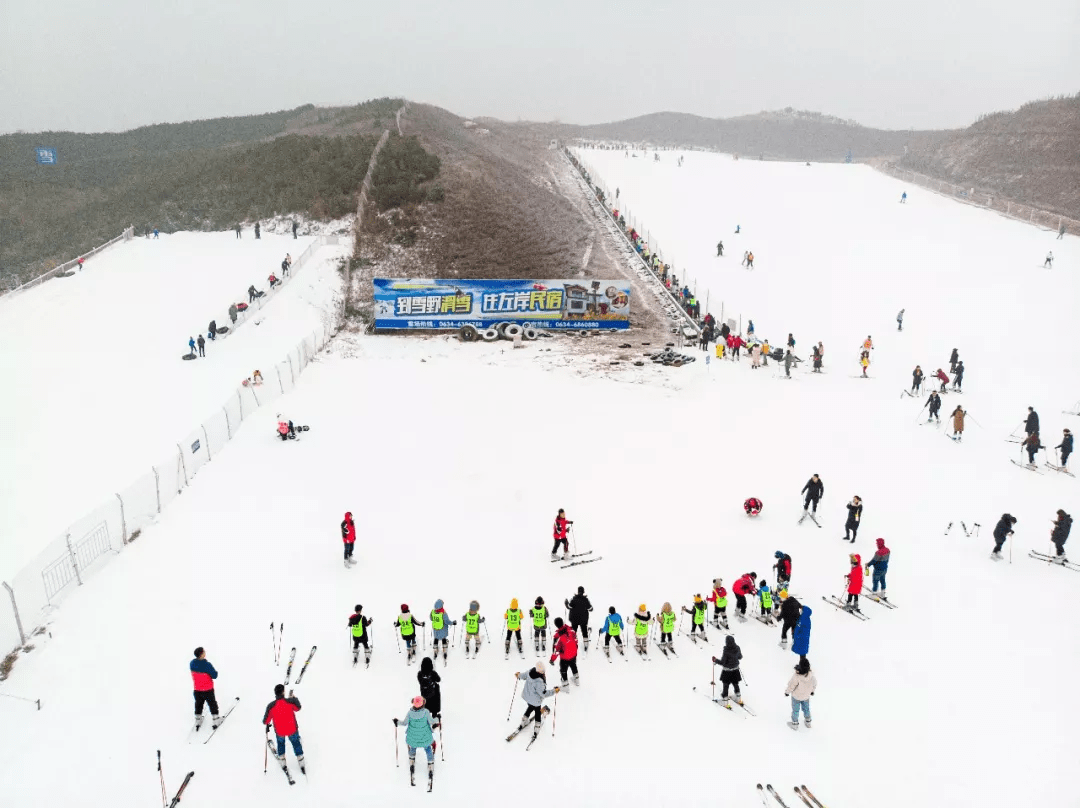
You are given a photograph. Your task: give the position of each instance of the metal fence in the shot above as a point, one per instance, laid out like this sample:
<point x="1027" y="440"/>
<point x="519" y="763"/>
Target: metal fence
<point x="52" y="273"/>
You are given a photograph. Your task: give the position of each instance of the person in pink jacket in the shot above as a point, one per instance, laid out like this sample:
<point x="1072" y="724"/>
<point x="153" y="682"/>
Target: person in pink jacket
<point x="854" y="582"/>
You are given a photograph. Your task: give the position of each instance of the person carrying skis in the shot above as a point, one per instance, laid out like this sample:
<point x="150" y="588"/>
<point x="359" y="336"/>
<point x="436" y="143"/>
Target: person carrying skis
<point x="440" y="630"/>
<point x="1060" y="533"/>
<point x="729" y="664"/>
<point x="814" y="490"/>
<point x="765" y="601"/>
<point x="697" y="621"/>
<point x="348" y="538"/>
<point x="800" y="637"/>
<point x="358" y="625"/>
<point x="743" y="587"/>
<point x="578" y="608"/>
<point x="407" y="624"/>
<point x="958" y="422"/>
<point x="612" y="629"/>
<point x="916" y="380"/>
<point x="419" y="724"/>
<point x="1031" y="423"/>
<point x="429" y="681"/>
<point x="513" y="617"/>
<point x="789" y="616"/>
<point x="801" y="687"/>
<point x="539" y="613"/>
<point x="854" y="582"/>
<point x="718" y="598"/>
<point x="534" y="693"/>
<point x="851" y="526"/>
<point x="880" y="563"/>
<point x="203" y="675"/>
<point x="1032" y="444"/>
<point x="1066" y="447"/>
<point x="941" y="377"/>
<point x="666" y="620"/>
<point x="958" y="379"/>
<point x="559" y="533"/>
<point x="935" y="406"/>
<point x="641" y="630"/>
<point x="472" y="620"/>
<point x="783" y="570"/>
<point x="1002" y="531"/>
<point x="564" y="648"/>
<point x="281" y="713"/>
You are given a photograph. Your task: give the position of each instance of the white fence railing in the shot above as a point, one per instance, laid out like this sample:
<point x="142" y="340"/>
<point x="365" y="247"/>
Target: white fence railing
<point x="52" y="273"/>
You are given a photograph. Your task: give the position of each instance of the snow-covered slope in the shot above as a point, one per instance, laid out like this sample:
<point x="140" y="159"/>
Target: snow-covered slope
<point x="454" y="460"/>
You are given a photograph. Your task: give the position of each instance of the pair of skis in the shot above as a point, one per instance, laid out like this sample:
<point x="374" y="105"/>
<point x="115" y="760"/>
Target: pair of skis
<point x="580" y="560"/>
<point x="807" y="513"/>
<point x="1028" y="466"/>
<point x="1060" y="469"/>
<point x="839" y="604"/>
<point x="803" y="793"/>
<point x="292" y="657"/>
<point x="968" y="533"/>
<point x="213" y="730"/>
<point x="867" y="592"/>
<point x="1049" y="559"/>
<point x="284" y="766"/>
<point x="727" y="705"/>
<point x="543" y="714"/>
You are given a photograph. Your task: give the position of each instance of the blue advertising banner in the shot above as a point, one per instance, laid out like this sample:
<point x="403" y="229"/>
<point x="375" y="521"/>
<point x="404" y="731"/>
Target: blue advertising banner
<point x="573" y="304"/>
<point x="45" y="156"/>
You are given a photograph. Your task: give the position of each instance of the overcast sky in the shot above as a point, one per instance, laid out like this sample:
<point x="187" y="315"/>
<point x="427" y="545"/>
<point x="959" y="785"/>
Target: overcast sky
<point x="117" y="64"/>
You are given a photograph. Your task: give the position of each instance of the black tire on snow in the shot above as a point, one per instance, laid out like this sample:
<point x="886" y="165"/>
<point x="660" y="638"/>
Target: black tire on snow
<point x="468" y="333"/>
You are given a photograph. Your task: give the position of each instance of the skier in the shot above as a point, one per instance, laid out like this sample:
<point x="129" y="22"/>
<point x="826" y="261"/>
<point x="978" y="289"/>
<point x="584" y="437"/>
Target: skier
<point x="864" y="363"/>
<point x="559" y="532"/>
<point x="641" y="630"/>
<point x="472" y="621"/>
<point x="697" y="621"/>
<point x="513" y="617"/>
<point x="954" y="357"/>
<point x="1031" y="423"/>
<point x="564" y="647"/>
<point x="1066" y="447"/>
<point x="1032" y="446"/>
<point x="880" y="563"/>
<point x="755" y="356"/>
<point x="666" y="620"/>
<point x="941" y="377"/>
<point x="868" y="343"/>
<point x="854" y="517"/>
<point x="789" y="616"/>
<point x="720" y="249"/>
<point x="783" y="570"/>
<point x="790" y="342"/>
<point x="429" y="680"/>
<point x="743" y="587"/>
<point x="440" y="630"/>
<point x="281" y="712"/>
<point x="750" y="260"/>
<point x="903" y="197"/>
<point x="752" y="506"/>
<point x="916" y="380"/>
<point x="789" y="360"/>
<point x="419" y="724"/>
<point x="252" y="294"/>
<point x="534" y="693"/>
<point x="202" y="345"/>
<point x="284" y="267"/>
<point x="286" y="430"/>
<point x="958" y="380"/>
<point x="958" y="422"/>
<point x="612" y="628"/>
<point x="578" y="608"/>
<point x="765" y="601"/>
<point x="745" y="255"/>
<point x="729" y="663"/>
<point x="817" y="359"/>
<point x="357" y="624"/>
<point x="407" y="624"/>
<point x="1060" y="533"/>
<point x="750" y="330"/>
<point x="718" y="598"/>
<point x="900" y="320"/>
<point x="935" y="405"/>
<point x="854" y="582"/>
<point x="1002" y="531"/>
<point x="539" y="614"/>
<point x="800" y="637"/>
<point x="1049" y="262"/>
<point x="348" y="538"/>
<point x="202" y="677"/>
<point x="738" y="229"/>
<point x="801" y="687"/>
<point x="814" y="490"/>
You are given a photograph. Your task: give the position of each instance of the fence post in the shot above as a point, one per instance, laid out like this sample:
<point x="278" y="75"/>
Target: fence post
<point x="183" y="465"/>
<point x="228" y="426"/>
<point x="157" y="487"/>
<point x="18" y="620"/>
<point x="123" y="520"/>
<point x="207" y="437"/>
<point x="74" y="562"/>
<point x="293" y="375"/>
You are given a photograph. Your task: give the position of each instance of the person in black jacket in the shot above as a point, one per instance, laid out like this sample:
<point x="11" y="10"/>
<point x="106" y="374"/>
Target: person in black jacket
<point x="725" y="329"/>
<point x="790" y="609"/>
<point x="1032" y="445"/>
<point x="959" y="380"/>
<point x="1002" y="531"/>
<point x="579" y="608"/>
<point x="1031" y="424"/>
<point x="211" y="330"/>
<point x="357" y="622"/>
<point x="1066" y="447"/>
<point x="729" y="661"/>
<point x="258" y="230"/>
<point x="854" y="516"/>
<point x="429" y="680"/>
<point x="916" y="380"/>
<point x="935" y="404"/>
<point x="953" y="359"/>
<point x="295" y="226"/>
<point x="1062" y="526"/>
<point x="814" y="490"/>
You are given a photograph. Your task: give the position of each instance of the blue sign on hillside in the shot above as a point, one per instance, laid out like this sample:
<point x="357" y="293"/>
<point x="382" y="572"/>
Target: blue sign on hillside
<point x="46" y="156"/>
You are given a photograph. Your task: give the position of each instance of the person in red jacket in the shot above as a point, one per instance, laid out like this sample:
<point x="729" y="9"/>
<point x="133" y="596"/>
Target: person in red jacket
<point x="282" y="713"/>
<point x="941" y="377"/>
<point x="203" y="676"/>
<point x="738" y="343"/>
<point x="348" y="536"/>
<point x="559" y="533"/>
<point x="743" y="587"/>
<point x="564" y="647"/>
<point x="854" y="582"/>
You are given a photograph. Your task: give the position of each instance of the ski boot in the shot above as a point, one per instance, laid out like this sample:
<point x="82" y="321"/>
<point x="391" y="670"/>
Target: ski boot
<point x="215" y="722"/>
<point x="554" y="557"/>
<point x="738" y="699"/>
<point x="621" y="651"/>
<point x="564" y="685"/>
<point x="806" y="723"/>
<point x="793" y="724"/>
<point x="607" y="651"/>
<point x="367" y="659"/>
<point x="199" y="722"/>
<point x="300" y="763"/>
<point x="577" y="681"/>
<point x="412" y="772"/>
<point x="355" y="656"/>
<point x="521" y="648"/>
<point x="430" y="774"/>
<point x="507" y="644"/>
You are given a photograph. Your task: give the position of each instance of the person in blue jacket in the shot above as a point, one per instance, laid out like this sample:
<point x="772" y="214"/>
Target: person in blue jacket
<point x="903" y="197"/>
<point x="191" y="345"/>
<point x="800" y="643"/>
<point x="418" y="726"/>
<point x="612" y="629"/>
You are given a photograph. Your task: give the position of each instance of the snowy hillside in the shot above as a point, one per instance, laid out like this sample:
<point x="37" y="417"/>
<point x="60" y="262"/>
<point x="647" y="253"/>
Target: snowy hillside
<point x="455" y="458"/>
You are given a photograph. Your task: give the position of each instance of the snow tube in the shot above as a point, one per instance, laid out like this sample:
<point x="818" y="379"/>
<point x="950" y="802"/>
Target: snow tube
<point x="753" y="506"/>
<point x="512" y="330"/>
<point x="223" y="330"/>
<point x="489" y="335"/>
<point x="468" y="333"/>
<point x="188" y="356"/>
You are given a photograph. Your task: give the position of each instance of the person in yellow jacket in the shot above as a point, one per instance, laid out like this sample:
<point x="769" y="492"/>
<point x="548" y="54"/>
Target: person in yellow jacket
<point x="765" y="353"/>
<point x="513" y="617"/>
<point x="698" y="616"/>
<point x="472" y="621"/>
<point x="641" y="630"/>
<point x="864" y="360"/>
<point x="539" y="614"/>
<point x="666" y="621"/>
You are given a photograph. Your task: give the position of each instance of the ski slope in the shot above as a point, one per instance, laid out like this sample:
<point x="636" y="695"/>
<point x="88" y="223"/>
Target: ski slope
<point x="454" y="459"/>
<point x="97" y="391"/>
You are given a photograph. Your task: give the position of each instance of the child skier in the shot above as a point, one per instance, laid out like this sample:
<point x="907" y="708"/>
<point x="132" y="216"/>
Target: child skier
<point x="1002" y="531"/>
<point x="612" y="629"/>
<point x="718" y="598"/>
<point x="729" y="663"/>
<point x="407" y="624"/>
<point x="539" y="614"/>
<point x="564" y="648"/>
<point x="559" y="533"/>
<point x="513" y="616"/>
<point x="765" y="601"/>
<point x="864" y="362"/>
<point x="472" y="621"/>
<point x="941" y="377"/>
<point x="801" y="687"/>
<point x="534" y="693"/>
<point x="666" y="621"/>
<point x="783" y="570"/>
<point x="697" y="622"/>
<point x="357" y="625"/>
<point x="854" y="582"/>
<point x="880" y="563"/>
<point x="641" y="630"/>
<point x="440" y="630"/>
<point x="430" y="688"/>
<point x="419" y="724"/>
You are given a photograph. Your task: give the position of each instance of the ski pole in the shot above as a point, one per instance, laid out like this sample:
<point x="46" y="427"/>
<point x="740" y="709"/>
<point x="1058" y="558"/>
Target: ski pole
<point x="161" y="774"/>
<point x="442" y="743"/>
<point x="423" y="639"/>
<point x="266" y="748"/>
<point x="486" y="634"/>
<point x="554" y="712"/>
<point x="281" y="632"/>
<point x="573" y="534"/>
<point x="919" y="416"/>
<point x="273" y="641"/>
<point x="397" y="639"/>
<point x="512" y="699"/>
<point x="453" y="636"/>
<point x="396" y="761"/>
<point x="714" y="681"/>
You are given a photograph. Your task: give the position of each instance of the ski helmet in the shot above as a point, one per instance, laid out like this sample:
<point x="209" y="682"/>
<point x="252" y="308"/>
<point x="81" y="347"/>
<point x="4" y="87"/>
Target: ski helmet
<point x="474" y="606"/>
<point x="539" y="601"/>
<point x="697" y="598"/>
<point x="279" y="690"/>
<point x="418" y="702"/>
<point x="404" y="608"/>
<point x="359" y="608"/>
<point x="581" y="590"/>
<point x="611" y="610"/>
<point x="753" y="575"/>
<point x="641" y="608"/>
<point x="778" y="554"/>
<point x="558" y="622"/>
<point x="540" y="667"/>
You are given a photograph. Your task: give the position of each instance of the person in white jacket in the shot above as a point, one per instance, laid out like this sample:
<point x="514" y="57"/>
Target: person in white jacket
<point x="801" y="687"/>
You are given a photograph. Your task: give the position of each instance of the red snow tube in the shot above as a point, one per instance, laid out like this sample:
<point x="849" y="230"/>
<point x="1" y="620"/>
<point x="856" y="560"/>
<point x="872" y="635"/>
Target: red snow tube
<point x="752" y="506"/>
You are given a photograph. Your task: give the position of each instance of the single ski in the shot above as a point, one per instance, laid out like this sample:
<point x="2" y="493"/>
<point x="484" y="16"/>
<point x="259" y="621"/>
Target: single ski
<point x="571" y="555"/>
<point x="878" y="599"/>
<point x="222" y="721"/>
<point x="516" y="732"/>
<point x="306" y="663"/>
<point x="180" y="792"/>
<point x="1027" y="466"/>
<point x="1060" y="469"/>
<point x="288" y="670"/>
<point x="804" y="798"/>
<point x="775" y="795"/>
<point x="839" y="604"/>
<point x="576" y="563"/>
<point x="761" y="793"/>
<point x="1053" y="560"/>
<point x="810" y="794"/>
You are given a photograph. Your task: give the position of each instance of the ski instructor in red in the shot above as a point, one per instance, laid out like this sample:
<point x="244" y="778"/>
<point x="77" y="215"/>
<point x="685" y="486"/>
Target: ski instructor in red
<point x="564" y="648"/>
<point x="348" y="536"/>
<point x="561" y="523"/>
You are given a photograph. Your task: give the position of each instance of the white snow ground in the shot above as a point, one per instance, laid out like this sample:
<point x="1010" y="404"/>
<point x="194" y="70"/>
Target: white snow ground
<point x="455" y="458"/>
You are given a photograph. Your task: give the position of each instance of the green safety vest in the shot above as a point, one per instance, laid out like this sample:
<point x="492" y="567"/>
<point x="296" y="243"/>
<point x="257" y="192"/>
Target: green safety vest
<point x="358" y="629"/>
<point x="699" y="615"/>
<point x="472" y="623"/>
<point x="721" y="602"/>
<point x="513" y="619"/>
<point x="641" y="627"/>
<point x="539" y="616"/>
<point x="614" y="629"/>
<point x="437" y="619"/>
<point x="766" y="600"/>
<point x="667" y="621"/>
<point x="407" y="629"/>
